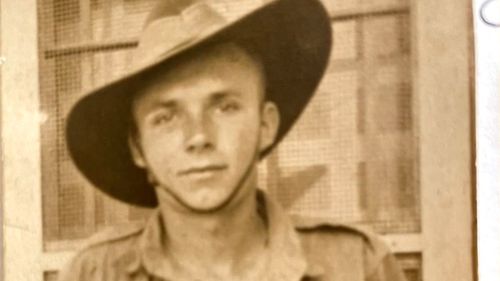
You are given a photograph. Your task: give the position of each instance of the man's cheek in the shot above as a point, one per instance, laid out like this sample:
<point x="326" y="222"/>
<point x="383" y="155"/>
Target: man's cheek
<point x="158" y="155"/>
<point x="245" y="142"/>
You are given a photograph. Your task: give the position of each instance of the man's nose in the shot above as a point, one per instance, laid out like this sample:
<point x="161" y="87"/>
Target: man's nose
<point x="199" y="134"/>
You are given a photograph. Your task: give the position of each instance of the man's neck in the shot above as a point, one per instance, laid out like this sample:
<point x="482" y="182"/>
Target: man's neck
<point x="226" y="242"/>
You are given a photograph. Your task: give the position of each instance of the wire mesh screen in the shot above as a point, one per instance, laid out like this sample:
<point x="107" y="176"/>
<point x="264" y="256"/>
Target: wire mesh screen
<point x="351" y="157"/>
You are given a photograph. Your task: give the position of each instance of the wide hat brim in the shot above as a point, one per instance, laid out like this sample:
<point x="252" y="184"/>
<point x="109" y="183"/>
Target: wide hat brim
<point x="293" y="39"/>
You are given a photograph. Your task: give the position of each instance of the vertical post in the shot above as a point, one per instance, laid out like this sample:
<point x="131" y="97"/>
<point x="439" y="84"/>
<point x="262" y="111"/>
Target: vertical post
<point x="444" y="96"/>
<point x="84" y="26"/>
<point x="21" y="141"/>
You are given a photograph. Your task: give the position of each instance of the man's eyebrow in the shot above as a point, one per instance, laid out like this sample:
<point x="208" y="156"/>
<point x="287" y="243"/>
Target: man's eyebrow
<point x="221" y="95"/>
<point x="164" y="104"/>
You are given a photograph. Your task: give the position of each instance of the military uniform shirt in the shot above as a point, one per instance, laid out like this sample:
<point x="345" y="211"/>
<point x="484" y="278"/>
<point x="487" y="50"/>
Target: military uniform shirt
<point x="300" y="249"/>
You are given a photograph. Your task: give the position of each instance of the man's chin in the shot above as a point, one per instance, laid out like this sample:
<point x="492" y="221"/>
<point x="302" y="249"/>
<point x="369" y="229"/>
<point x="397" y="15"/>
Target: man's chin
<point x="202" y="203"/>
<point x="204" y="206"/>
<point x="202" y="200"/>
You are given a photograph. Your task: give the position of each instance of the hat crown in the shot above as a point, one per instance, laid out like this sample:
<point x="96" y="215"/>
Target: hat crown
<point x="168" y="8"/>
<point x="173" y="25"/>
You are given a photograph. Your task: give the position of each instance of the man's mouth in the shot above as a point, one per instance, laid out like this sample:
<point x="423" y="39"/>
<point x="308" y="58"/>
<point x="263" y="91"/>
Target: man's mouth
<point x="202" y="171"/>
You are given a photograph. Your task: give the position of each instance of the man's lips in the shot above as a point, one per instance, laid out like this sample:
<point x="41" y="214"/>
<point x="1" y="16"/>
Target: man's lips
<point x="202" y="169"/>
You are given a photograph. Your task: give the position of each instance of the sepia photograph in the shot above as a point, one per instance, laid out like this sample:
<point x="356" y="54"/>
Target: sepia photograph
<point x="277" y="140"/>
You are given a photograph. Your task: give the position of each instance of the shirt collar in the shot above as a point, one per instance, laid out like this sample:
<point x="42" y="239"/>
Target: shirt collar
<point x="287" y="258"/>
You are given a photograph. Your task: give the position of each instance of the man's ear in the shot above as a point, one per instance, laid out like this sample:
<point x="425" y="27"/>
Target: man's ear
<point x="270" y="121"/>
<point x="136" y="151"/>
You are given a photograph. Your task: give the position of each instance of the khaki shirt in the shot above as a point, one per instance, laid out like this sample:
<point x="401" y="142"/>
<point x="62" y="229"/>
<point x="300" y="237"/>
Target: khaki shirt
<point x="300" y="249"/>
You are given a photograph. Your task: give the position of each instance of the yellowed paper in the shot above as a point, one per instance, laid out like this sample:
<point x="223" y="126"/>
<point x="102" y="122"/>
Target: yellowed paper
<point x="388" y="143"/>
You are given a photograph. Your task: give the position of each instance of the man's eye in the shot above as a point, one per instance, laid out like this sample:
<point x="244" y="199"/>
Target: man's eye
<point x="162" y="118"/>
<point x="229" y="107"/>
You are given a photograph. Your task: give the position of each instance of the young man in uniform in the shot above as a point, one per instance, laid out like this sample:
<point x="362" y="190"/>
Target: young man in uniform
<point x="183" y="132"/>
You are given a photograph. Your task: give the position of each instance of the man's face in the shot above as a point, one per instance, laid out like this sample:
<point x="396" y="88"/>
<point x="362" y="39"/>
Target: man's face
<point x="201" y="126"/>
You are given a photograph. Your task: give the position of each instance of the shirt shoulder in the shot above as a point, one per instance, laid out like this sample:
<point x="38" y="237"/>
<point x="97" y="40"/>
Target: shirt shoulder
<point x="115" y="234"/>
<point x="359" y="248"/>
<point x="106" y="250"/>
